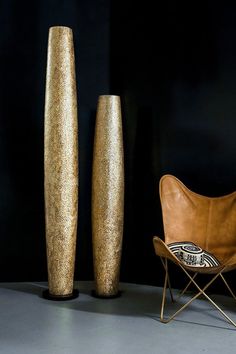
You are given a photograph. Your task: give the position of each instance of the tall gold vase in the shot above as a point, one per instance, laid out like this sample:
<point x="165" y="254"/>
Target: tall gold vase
<point x="61" y="164"/>
<point x="107" y="197"/>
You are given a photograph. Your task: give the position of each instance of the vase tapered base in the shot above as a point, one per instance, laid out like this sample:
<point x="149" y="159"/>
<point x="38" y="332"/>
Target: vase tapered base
<point x="114" y="296"/>
<point x="46" y="295"/>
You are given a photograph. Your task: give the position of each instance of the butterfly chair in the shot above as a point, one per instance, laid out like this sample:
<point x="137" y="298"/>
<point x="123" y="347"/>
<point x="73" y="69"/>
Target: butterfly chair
<point x="200" y="237"/>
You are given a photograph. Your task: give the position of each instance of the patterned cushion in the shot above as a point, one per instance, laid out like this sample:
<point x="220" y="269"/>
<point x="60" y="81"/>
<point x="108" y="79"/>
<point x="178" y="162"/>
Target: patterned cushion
<point x="193" y="255"/>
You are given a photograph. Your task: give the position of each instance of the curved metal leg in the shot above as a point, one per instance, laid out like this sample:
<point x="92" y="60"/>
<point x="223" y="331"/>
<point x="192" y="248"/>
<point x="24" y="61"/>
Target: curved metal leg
<point x="187" y="286"/>
<point x="165" y="265"/>
<point x="201" y="292"/>
<point x="228" y="287"/>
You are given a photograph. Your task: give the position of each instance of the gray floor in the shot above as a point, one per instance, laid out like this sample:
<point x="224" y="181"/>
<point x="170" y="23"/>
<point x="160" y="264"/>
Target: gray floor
<point x="30" y="324"/>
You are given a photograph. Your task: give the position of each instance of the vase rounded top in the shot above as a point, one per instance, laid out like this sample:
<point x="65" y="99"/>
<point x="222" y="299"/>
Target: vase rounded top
<point x="55" y="28"/>
<point x="109" y="97"/>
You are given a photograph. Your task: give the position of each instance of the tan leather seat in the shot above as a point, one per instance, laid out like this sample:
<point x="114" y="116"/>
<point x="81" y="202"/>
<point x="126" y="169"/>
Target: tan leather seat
<point x="208" y="222"/>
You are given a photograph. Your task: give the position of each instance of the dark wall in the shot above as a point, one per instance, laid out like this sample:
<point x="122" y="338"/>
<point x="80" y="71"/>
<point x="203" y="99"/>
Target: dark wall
<point x="174" y="67"/>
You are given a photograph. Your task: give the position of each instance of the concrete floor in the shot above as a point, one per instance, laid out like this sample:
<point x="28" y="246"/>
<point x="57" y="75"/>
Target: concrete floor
<point x="130" y="324"/>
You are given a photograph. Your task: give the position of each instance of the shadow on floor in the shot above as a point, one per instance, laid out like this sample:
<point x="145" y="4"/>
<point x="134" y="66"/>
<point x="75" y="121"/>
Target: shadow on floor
<point x="136" y="300"/>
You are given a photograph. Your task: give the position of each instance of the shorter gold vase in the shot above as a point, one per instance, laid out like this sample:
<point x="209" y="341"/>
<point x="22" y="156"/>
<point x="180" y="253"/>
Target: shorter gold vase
<point x="107" y="197"/>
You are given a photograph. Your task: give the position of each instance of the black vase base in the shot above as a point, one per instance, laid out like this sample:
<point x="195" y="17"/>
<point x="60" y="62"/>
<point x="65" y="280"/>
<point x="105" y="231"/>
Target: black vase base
<point x="46" y="295"/>
<point x="94" y="294"/>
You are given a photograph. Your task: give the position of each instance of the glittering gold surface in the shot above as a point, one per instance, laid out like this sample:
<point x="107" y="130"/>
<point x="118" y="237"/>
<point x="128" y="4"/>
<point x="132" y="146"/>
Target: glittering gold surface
<point x="107" y="195"/>
<point x="61" y="161"/>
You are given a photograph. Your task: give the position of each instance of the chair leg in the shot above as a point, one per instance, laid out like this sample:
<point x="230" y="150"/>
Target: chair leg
<point x="187" y="286"/>
<point x="165" y="265"/>
<point x="164" y="289"/>
<point x="201" y="292"/>
<point x="187" y="303"/>
<point x="228" y="287"/>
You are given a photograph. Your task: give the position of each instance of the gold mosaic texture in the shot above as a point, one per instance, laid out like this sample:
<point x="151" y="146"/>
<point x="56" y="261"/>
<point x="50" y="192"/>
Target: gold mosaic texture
<point x="107" y="195"/>
<point x="61" y="161"/>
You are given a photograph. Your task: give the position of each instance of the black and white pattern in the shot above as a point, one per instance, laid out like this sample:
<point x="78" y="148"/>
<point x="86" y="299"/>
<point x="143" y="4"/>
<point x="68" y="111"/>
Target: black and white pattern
<point x="193" y="255"/>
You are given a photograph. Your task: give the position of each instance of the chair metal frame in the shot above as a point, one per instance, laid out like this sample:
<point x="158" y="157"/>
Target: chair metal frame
<point x="200" y="292"/>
